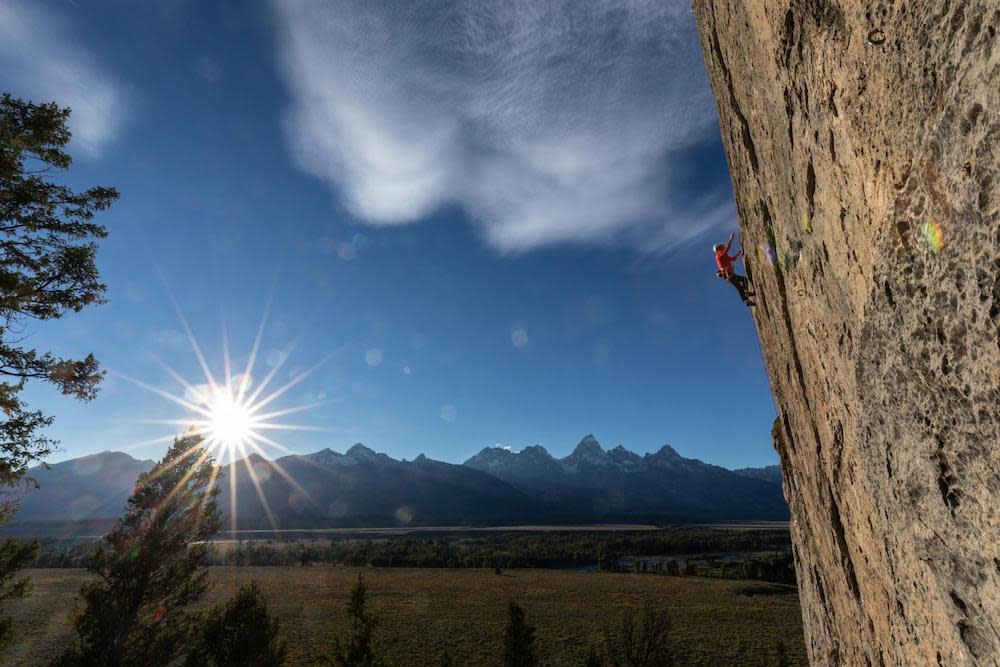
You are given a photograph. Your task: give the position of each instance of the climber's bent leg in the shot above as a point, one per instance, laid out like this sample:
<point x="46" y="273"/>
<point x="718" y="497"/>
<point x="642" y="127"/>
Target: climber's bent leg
<point x="740" y="283"/>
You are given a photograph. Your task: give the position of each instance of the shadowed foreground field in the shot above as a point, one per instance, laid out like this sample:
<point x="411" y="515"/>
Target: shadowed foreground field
<point x="425" y="611"/>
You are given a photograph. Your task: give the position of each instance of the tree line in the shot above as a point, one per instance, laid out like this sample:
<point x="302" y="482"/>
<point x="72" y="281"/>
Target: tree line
<point x="508" y="551"/>
<point x="608" y="554"/>
<point x="777" y="567"/>
<point x="767" y="559"/>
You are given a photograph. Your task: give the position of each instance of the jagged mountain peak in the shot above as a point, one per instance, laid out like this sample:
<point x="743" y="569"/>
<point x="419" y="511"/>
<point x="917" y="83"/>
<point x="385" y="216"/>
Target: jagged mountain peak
<point x="588" y="444"/>
<point x="358" y="453"/>
<point x="535" y="451"/>
<point x="326" y="457"/>
<point x="588" y="451"/>
<point x="361" y="454"/>
<point x="667" y="453"/>
<point x="624" y="458"/>
<point x="496" y="450"/>
<point x="491" y="458"/>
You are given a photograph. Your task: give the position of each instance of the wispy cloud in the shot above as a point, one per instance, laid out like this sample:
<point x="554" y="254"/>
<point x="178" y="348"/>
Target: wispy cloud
<point x="547" y="121"/>
<point x="41" y="60"/>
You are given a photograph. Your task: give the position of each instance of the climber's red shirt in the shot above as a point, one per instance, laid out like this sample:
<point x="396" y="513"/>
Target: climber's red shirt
<point x="724" y="262"/>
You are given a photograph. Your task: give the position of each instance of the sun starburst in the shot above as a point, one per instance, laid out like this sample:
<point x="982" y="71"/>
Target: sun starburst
<point x="233" y="416"/>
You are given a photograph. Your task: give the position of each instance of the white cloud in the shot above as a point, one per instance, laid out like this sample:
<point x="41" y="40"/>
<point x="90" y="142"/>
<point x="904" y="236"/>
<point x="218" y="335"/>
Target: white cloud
<point x="41" y="60"/>
<point x="547" y="121"/>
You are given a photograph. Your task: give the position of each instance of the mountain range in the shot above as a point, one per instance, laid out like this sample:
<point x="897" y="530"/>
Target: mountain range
<point x="619" y="485"/>
<point x="363" y="488"/>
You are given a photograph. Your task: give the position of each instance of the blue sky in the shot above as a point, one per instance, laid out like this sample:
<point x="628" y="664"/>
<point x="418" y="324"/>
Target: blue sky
<point x="478" y="223"/>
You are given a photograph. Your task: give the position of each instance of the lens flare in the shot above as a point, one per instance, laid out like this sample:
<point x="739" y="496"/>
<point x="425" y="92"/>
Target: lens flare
<point x="933" y="236"/>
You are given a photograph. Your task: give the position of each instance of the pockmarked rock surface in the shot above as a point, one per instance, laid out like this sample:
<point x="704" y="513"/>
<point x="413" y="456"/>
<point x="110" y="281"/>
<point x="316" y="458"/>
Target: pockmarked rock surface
<point x="864" y="145"/>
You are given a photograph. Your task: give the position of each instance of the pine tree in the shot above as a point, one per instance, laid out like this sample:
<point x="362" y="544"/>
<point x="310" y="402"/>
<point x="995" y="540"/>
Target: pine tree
<point x="149" y="568"/>
<point x="241" y="634"/>
<point x="358" y="647"/>
<point x="519" y="639"/>
<point x="46" y="270"/>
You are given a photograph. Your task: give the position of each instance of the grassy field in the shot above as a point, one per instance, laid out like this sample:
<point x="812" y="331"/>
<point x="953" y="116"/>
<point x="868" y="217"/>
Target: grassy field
<point x="424" y="611"/>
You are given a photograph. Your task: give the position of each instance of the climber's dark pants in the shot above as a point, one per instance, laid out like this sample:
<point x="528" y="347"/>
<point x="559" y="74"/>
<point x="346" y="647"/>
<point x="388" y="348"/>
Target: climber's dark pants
<point x="741" y="285"/>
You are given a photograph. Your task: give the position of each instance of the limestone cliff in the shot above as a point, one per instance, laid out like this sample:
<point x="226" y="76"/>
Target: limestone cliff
<point x="864" y="145"/>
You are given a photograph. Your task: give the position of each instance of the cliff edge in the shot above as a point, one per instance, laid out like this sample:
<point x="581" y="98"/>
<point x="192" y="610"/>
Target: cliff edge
<point x="863" y="141"/>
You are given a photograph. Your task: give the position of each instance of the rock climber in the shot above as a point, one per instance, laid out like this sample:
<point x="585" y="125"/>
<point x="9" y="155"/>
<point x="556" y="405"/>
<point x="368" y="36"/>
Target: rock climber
<point x="724" y="261"/>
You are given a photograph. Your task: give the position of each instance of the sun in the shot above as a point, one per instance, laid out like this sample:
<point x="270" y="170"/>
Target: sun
<point x="230" y="424"/>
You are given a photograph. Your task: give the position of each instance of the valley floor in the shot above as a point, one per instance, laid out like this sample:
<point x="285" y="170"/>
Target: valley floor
<point x="424" y="611"/>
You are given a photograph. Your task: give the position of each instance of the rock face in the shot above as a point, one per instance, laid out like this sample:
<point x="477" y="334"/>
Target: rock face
<point x="863" y="140"/>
